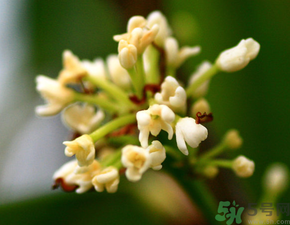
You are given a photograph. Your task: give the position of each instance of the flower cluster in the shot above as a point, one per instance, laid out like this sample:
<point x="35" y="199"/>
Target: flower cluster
<point x="127" y="102"/>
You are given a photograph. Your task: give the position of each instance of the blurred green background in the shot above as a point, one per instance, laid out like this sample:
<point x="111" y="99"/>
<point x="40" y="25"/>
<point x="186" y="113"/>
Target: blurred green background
<point x="254" y="100"/>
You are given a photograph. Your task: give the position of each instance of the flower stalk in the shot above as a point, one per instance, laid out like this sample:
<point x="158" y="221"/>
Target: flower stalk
<point x="112" y="126"/>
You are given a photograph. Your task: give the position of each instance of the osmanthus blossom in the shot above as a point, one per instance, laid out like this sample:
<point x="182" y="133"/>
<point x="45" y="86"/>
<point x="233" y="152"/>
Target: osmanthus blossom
<point x="84" y="149"/>
<point x="175" y="56"/>
<point x="71" y="177"/>
<point x="135" y="103"/>
<point x="137" y="160"/>
<point x="156" y="17"/>
<point x="82" y="118"/>
<point x="138" y="34"/>
<point x="107" y="178"/>
<point x="57" y="96"/>
<point x="153" y="120"/>
<point x="172" y="94"/>
<point x="188" y="131"/>
<point x="74" y="69"/>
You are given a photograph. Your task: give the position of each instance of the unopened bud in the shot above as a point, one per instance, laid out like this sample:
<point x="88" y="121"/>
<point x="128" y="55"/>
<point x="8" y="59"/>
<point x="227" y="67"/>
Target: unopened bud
<point x="276" y="178"/>
<point x="233" y="140"/>
<point x="210" y="171"/>
<point x="201" y="106"/>
<point x="243" y="167"/>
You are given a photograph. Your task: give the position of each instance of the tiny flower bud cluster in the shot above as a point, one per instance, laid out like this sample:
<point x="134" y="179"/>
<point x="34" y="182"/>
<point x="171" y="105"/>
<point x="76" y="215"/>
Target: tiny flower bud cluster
<point x="117" y="105"/>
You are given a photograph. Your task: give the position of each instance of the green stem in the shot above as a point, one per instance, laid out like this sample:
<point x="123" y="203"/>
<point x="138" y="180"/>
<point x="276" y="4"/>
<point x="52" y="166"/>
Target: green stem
<point x="170" y="71"/>
<point x="113" y="125"/>
<point x="99" y="101"/>
<point x="136" y="82"/>
<point x="112" y="89"/>
<point x="112" y="159"/>
<point x="207" y="75"/>
<point x="140" y="71"/>
<point x="221" y="163"/>
<point x="153" y="75"/>
<point x="214" y="152"/>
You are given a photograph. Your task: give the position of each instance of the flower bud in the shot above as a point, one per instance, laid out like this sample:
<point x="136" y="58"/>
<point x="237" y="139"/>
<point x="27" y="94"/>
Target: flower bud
<point x="243" y="167"/>
<point x="127" y="54"/>
<point x="276" y="178"/>
<point x="238" y="57"/>
<point x="201" y="105"/>
<point x="233" y="140"/>
<point x="210" y="171"/>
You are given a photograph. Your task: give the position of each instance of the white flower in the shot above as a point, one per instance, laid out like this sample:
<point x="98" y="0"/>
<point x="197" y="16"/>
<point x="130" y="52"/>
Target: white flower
<point x="71" y="177"/>
<point x="73" y="69"/>
<point x="107" y="178"/>
<point x="117" y="73"/>
<point x="156" y="17"/>
<point x="138" y="35"/>
<point x="157" y="155"/>
<point x="238" y="57"/>
<point x="154" y="119"/>
<point x="202" y="89"/>
<point x="243" y="167"/>
<point x="137" y="160"/>
<point x="82" y="118"/>
<point x="127" y="54"/>
<point x="95" y="69"/>
<point x="175" y="56"/>
<point x="57" y="96"/>
<point x="190" y="132"/>
<point x="233" y="140"/>
<point x="84" y="149"/>
<point x="172" y="94"/>
<point x="276" y="179"/>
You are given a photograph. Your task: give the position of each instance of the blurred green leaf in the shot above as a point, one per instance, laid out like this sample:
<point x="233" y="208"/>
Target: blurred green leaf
<point x="70" y="208"/>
